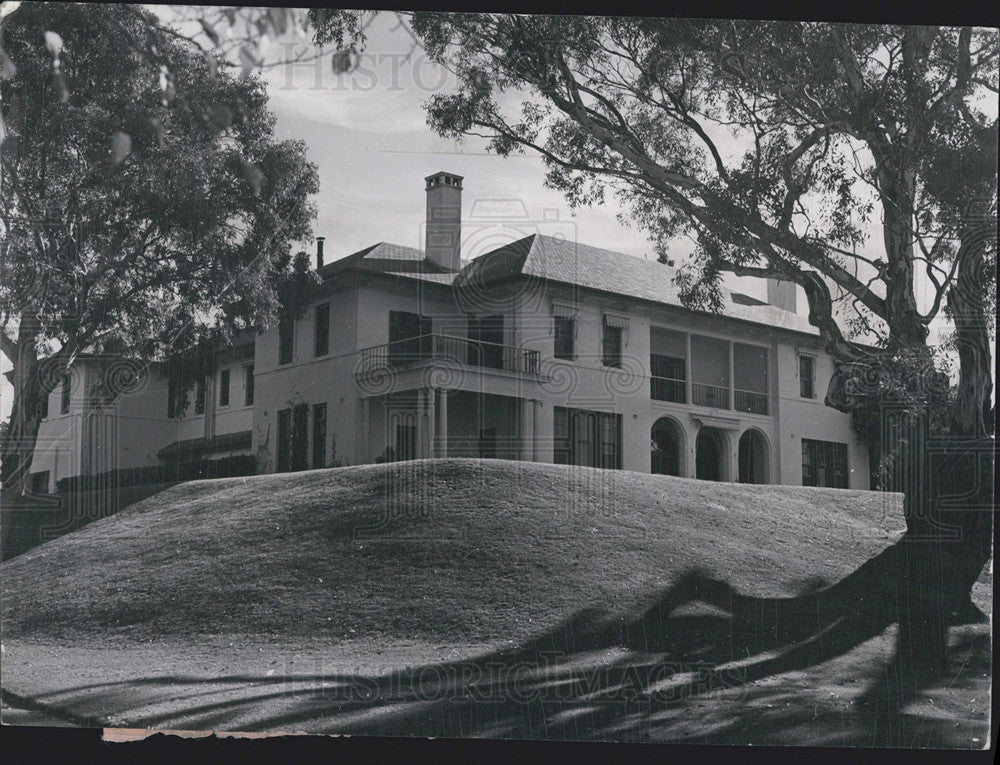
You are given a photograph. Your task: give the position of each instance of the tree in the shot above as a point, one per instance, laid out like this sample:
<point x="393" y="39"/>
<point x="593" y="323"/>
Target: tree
<point x="775" y="146"/>
<point x="132" y="218"/>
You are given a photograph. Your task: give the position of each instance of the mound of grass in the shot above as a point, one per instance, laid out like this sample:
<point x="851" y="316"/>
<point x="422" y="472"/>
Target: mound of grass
<point x="458" y="550"/>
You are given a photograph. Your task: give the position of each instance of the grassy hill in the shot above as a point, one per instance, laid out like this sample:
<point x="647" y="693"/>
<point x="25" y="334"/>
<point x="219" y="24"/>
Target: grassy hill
<point x="432" y="550"/>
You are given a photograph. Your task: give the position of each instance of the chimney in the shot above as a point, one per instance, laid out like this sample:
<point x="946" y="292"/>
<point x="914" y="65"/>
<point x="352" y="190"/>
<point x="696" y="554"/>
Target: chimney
<point x="319" y="251"/>
<point x="782" y="294"/>
<point x="443" y="245"/>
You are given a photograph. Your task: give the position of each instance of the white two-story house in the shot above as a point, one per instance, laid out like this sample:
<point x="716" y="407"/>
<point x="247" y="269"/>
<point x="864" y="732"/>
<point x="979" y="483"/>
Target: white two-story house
<point x="542" y="349"/>
<point x="546" y="350"/>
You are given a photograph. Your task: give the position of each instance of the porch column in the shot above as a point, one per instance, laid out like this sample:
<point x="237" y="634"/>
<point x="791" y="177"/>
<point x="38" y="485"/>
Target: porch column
<point x="732" y="380"/>
<point x="527" y="429"/>
<point x="441" y="447"/>
<point x="688" y="390"/>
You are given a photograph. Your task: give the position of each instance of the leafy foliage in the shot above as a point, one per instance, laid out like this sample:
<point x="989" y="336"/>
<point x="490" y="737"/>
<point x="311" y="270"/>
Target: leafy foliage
<point x="133" y="218"/>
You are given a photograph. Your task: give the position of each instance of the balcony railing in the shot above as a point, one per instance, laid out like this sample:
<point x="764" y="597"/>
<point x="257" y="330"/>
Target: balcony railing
<point x="667" y="389"/>
<point x="461" y="350"/>
<point x="710" y="395"/>
<point x="750" y="401"/>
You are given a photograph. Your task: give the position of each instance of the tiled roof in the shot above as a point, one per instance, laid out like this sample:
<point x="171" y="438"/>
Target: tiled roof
<point x="561" y="260"/>
<point x="568" y="262"/>
<point x="385" y="257"/>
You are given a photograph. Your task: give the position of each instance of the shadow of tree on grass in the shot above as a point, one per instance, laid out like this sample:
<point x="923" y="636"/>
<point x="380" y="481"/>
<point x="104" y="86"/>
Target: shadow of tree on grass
<point x="687" y="668"/>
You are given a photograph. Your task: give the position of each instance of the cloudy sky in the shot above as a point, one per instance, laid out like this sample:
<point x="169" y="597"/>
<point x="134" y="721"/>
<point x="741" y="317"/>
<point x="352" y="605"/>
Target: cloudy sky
<point x="367" y="132"/>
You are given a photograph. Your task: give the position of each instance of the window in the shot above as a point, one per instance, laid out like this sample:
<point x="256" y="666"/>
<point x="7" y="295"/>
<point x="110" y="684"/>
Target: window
<point x="591" y="439"/>
<point x="175" y="397"/>
<point x="286" y="340"/>
<point x="564" y="331"/>
<point x="807" y="377"/>
<point x="563" y="447"/>
<point x="64" y="394"/>
<point x="248" y="385"/>
<point x="224" y="387"/>
<point x="43" y="405"/>
<point x="824" y="463"/>
<point x="319" y="435"/>
<point x="40" y="482"/>
<point x="612" y="350"/>
<point x="199" y="396"/>
<point x="284" y="443"/>
<point x="409" y="336"/>
<point x="322" y="329"/>
<point x="667" y="378"/>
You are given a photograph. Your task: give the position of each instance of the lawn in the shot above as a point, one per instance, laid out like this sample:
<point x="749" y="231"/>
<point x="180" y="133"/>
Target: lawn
<point x="233" y="603"/>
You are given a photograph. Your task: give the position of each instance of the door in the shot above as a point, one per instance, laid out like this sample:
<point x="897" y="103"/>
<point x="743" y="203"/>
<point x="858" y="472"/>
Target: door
<point x="406" y="442"/>
<point x="409" y="337"/>
<point x="708" y="457"/>
<point x="486" y="338"/>
<point x="488" y="443"/>
<point x="300" y="437"/>
<point x="284" y="440"/>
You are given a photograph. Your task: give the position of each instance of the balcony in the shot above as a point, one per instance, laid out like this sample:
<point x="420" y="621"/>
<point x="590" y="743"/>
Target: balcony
<point x="750" y="401"/>
<point x="668" y="389"/>
<point x="710" y="395"/>
<point x="432" y="347"/>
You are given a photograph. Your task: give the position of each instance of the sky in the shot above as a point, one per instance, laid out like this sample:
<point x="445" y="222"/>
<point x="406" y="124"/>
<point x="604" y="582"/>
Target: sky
<point x="367" y="132"/>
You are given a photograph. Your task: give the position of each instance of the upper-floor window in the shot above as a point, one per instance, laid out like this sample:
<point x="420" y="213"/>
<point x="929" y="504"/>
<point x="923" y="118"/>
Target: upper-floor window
<point x="43" y="405"/>
<point x="565" y="328"/>
<point x="248" y="385"/>
<point x="667" y="365"/>
<point x="286" y="339"/>
<point x="824" y="463"/>
<point x="199" y="396"/>
<point x="409" y="336"/>
<point x="611" y="353"/>
<point x="67" y="381"/>
<point x="224" y="387"/>
<point x="807" y="377"/>
<point x="322" y="329"/>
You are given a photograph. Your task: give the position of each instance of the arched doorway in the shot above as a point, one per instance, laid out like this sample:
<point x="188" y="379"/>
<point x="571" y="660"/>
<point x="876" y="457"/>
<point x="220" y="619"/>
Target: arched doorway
<point x="710" y="455"/>
<point x="753" y="458"/>
<point x="666" y="447"/>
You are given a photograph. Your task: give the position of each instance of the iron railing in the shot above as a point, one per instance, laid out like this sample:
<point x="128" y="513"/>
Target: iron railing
<point x="424" y="348"/>
<point x="668" y="389"/>
<point x="750" y="401"/>
<point x="710" y="395"/>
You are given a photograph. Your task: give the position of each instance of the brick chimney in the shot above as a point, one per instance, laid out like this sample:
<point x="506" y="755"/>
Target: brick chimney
<point x="782" y="294"/>
<point x="443" y="245"/>
<point x="319" y="251"/>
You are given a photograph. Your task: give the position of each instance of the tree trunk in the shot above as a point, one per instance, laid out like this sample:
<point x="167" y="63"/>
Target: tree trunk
<point x="950" y="514"/>
<point x="18" y="446"/>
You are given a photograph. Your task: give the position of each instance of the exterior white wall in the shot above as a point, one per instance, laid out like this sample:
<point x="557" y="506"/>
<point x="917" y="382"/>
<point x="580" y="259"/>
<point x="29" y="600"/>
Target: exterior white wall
<point x="327" y="379"/>
<point x="359" y="319"/>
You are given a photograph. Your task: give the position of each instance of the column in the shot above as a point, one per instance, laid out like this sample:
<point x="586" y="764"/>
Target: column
<point x="527" y="429"/>
<point x="441" y="449"/>
<point x="732" y="380"/>
<point x="689" y="392"/>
